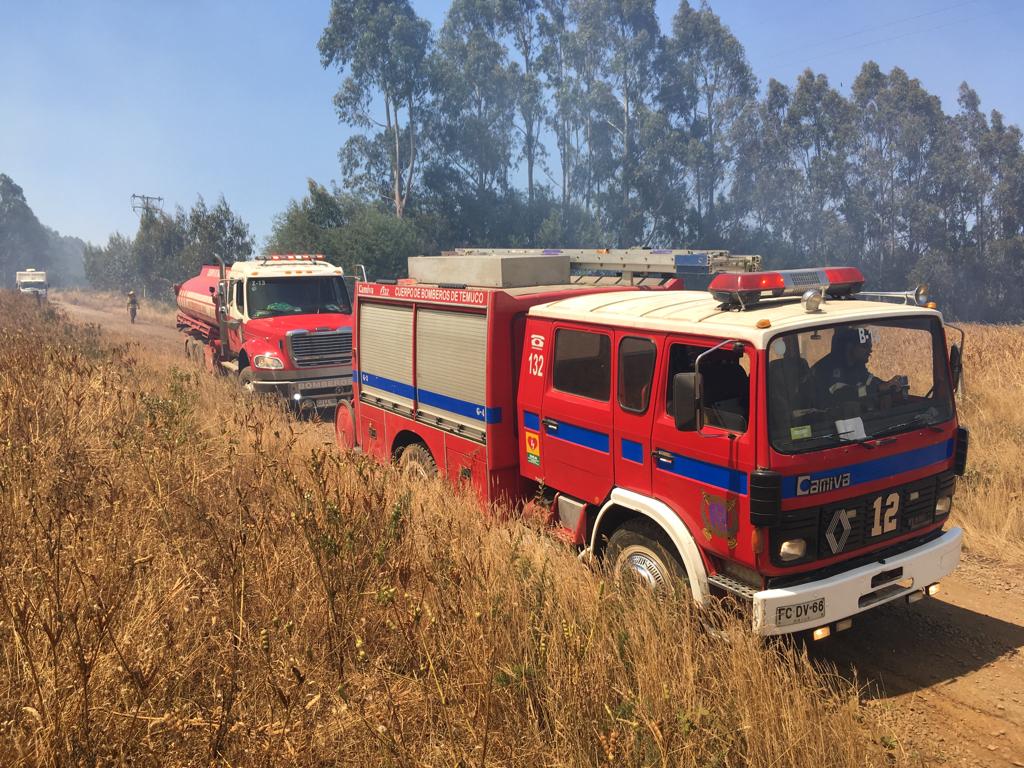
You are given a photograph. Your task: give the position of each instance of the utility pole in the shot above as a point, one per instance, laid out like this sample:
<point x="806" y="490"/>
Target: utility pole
<point x="146" y="203"/>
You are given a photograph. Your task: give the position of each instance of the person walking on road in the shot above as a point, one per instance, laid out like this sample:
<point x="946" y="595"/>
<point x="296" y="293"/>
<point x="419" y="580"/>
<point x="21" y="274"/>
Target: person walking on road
<point x="133" y="306"/>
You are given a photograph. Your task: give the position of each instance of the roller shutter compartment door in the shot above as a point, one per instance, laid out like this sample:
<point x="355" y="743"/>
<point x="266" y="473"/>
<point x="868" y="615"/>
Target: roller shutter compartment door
<point x="451" y="366"/>
<point x="385" y="356"/>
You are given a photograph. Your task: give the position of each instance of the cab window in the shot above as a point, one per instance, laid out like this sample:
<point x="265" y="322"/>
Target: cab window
<point x="237" y="294"/>
<point x="726" y="384"/>
<point x="636" y="372"/>
<point x="583" y="364"/>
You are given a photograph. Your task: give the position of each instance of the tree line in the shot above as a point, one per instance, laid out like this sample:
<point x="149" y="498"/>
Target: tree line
<point x="168" y="249"/>
<point x="583" y="123"/>
<point x="27" y="243"/>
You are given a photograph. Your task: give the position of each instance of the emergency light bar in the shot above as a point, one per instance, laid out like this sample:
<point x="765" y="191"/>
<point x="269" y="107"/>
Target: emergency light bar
<point x="742" y="289"/>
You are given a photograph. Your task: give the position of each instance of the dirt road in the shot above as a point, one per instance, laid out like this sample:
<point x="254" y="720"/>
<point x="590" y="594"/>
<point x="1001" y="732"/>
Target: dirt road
<point x="955" y="661"/>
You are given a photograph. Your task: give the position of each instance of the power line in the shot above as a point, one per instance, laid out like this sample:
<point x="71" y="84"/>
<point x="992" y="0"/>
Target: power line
<point x="901" y="36"/>
<point x="873" y="28"/>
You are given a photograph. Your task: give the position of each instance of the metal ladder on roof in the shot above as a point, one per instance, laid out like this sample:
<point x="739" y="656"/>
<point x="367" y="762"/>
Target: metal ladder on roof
<point x="632" y="266"/>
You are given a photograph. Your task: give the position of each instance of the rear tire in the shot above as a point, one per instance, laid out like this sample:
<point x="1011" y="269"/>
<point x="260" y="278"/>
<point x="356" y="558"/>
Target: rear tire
<point x="416" y="462"/>
<point x="639" y="551"/>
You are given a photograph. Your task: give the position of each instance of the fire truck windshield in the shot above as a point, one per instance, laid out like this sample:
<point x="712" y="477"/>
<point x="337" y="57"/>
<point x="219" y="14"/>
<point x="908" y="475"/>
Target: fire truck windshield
<point x="848" y="383"/>
<point x="269" y="297"/>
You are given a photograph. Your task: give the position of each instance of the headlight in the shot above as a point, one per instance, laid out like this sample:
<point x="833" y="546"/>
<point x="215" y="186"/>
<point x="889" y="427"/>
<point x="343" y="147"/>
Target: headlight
<point x="943" y="505"/>
<point x="793" y="549"/>
<point x="272" y="362"/>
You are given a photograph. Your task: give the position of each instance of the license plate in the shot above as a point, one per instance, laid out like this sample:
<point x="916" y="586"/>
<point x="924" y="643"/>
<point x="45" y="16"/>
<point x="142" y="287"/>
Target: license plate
<point x="799" y="612"/>
<point x="326" y="402"/>
<point x="324" y="383"/>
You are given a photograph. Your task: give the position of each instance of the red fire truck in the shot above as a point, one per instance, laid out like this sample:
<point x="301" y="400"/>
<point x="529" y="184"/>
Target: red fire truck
<point x="782" y="436"/>
<point x="281" y="323"/>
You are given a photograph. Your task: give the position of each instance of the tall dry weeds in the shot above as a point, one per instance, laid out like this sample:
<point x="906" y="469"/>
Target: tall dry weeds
<point x="190" y="578"/>
<point x="989" y="502"/>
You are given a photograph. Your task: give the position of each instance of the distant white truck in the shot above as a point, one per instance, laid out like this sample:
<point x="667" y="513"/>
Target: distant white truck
<point x="32" y="281"/>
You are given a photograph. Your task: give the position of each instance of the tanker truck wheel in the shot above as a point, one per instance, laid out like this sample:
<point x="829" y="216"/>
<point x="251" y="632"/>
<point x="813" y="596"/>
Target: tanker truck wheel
<point x="345" y="425"/>
<point x="245" y="378"/>
<point x="639" y="552"/>
<point x="416" y="462"/>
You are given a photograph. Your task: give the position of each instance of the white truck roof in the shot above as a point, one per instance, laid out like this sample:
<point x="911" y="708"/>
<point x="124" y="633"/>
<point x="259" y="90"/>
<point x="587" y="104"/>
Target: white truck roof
<point x="281" y="267"/>
<point x="698" y="312"/>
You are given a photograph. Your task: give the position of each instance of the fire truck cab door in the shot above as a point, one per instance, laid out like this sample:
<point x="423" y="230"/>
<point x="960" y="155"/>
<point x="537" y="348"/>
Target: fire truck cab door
<point x="636" y="358"/>
<point x="703" y="475"/>
<point x="575" y="423"/>
<point x="235" y="305"/>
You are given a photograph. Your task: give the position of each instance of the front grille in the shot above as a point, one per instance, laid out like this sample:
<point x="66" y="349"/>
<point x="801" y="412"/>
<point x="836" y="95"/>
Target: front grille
<point x="848" y="525"/>
<point x="315" y="350"/>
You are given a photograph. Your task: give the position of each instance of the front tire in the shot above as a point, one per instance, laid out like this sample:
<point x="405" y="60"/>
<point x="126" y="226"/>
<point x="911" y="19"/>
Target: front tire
<point x="640" y="552"/>
<point x="416" y="462"/>
<point x="245" y="379"/>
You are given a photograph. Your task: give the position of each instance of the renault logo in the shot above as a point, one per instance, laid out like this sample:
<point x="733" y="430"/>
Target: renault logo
<point x="841" y="519"/>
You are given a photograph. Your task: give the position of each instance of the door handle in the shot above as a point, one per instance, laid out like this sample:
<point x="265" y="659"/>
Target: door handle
<point x="662" y="455"/>
<point x="550" y="425"/>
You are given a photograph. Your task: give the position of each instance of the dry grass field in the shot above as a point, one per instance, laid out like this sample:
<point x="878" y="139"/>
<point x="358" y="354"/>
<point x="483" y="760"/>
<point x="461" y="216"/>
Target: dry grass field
<point x="188" y="578"/>
<point x="990" y="497"/>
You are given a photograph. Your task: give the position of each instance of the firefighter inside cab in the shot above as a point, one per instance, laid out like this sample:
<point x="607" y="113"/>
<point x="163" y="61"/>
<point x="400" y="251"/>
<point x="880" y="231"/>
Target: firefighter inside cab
<point x="842" y="375"/>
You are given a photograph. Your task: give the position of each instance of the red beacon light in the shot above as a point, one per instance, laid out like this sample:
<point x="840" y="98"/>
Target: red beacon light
<point x="743" y="289"/>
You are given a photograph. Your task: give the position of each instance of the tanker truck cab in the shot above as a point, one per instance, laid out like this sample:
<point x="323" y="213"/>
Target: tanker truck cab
<point x="786" y="444"/>
<point x="285" y="322"/>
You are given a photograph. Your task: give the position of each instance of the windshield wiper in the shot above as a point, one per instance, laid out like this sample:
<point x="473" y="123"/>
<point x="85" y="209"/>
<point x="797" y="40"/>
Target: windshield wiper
<point x="906" y="425"/>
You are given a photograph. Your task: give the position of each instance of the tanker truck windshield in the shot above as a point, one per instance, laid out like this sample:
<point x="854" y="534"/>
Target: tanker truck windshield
<point x="855" y="382"/>
<point x="271" y="297"/>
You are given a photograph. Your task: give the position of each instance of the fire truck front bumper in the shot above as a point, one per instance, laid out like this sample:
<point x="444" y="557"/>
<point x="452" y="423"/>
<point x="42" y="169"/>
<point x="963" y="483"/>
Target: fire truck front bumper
<point x="324" y="388"/>
<point x="826" y="601"/>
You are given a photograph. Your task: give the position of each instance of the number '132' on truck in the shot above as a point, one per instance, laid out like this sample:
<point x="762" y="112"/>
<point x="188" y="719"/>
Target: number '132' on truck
<point x="783" y="437"/>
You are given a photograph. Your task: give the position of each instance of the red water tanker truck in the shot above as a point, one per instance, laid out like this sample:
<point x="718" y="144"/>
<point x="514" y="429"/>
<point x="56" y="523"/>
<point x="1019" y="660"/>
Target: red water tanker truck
<point x="282" y="324"/>
<point x="774" y="437"/>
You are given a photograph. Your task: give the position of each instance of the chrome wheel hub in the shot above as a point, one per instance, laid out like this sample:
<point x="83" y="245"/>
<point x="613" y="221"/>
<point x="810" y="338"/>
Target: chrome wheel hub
<point x="645" y="569"/>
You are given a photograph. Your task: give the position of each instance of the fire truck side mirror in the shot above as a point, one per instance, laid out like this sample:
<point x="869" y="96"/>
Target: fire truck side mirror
<point x="686" y="400"/>
<point x="956" y="365"/>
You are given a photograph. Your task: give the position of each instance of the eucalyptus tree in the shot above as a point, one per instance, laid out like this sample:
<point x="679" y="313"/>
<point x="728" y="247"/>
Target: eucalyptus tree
<point x="521" y="19"/>
<point x="708" y="84"/>
<point x="474" y="99"/>
<point x="381" y="46"/>
<point x="893" y="205"/>
<point x="821" y="126"/>
<point x="553" y="26"/>
<point x="627" y="35"/>
<point x="23" y="240"/>
<point x="766" y="179"/>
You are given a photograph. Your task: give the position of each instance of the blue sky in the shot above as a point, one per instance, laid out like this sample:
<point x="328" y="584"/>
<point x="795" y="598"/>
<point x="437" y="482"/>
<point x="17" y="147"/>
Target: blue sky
<point x="102" y="99"/>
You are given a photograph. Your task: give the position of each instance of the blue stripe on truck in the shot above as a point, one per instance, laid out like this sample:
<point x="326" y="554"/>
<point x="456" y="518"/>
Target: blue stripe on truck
<point x="876" y="469"/>
<point x="432" y="399"/>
